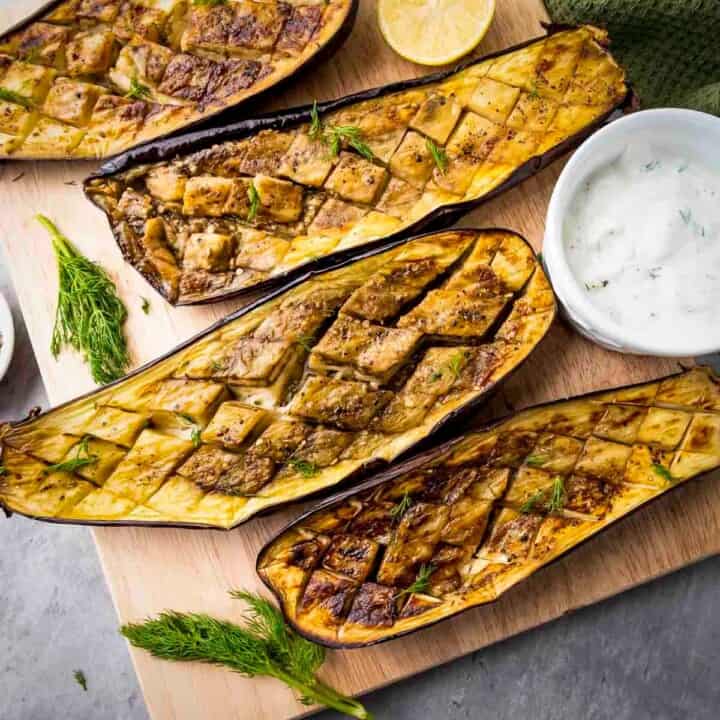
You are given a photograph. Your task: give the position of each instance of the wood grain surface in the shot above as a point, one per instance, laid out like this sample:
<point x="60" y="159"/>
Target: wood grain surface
<point x="153" y="569"/>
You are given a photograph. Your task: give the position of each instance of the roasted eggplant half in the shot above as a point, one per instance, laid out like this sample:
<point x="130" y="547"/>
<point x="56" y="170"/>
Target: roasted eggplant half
<point x="90" y="78"/>
<point x="302" y="390"/>
<point x="458" y="526"/>
<point x="226" y="211"/>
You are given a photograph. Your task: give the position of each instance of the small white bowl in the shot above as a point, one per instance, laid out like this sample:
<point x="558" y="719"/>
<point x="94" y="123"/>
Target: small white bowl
<point x="690" y="131"/>
<point x="7" y="331"/>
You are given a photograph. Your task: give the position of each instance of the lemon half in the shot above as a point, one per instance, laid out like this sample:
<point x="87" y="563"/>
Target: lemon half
<point x="434" y="32"/>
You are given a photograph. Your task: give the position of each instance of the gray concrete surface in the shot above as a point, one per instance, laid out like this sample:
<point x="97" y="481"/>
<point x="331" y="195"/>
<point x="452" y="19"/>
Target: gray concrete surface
<point x="651" y="653"/>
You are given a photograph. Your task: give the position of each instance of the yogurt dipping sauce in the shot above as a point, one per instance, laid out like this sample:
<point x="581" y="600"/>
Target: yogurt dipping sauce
<point x="642" y="238"/>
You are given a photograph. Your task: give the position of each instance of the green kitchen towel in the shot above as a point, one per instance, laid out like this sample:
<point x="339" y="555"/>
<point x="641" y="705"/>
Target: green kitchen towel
<point x="670" y="48"/>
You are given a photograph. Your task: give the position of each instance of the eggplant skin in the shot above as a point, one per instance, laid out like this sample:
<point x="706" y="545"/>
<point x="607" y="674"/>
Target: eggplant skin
<point x="308" y="387"/>
<point x="92" y="78"/>
<point x="438" y="146"/>
<point x="481" y="513"/>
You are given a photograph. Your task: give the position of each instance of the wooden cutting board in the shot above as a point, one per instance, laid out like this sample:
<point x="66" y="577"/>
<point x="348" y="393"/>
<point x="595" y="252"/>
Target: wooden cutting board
<point x="153" y="569"/>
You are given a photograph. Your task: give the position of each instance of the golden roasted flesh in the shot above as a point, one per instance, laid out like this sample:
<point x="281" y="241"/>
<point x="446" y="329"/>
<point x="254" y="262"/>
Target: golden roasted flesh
<point x="188" y="225"/>
<point x="458" y="528"/>
<point x="291" y="396"/>
<point x="91" y="78"/>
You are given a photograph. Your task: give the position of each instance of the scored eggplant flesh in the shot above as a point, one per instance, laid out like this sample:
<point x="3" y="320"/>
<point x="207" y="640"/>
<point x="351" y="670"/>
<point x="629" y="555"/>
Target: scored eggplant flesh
<point x="464" y="523"/>
<point x="290" y="396"/>
<point x="90" y="78"/>
<point x="187" y="222"/>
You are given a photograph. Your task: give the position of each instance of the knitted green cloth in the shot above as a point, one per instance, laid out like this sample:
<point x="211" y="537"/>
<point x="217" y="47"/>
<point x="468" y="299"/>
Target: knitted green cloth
<point x="670" y="48"/>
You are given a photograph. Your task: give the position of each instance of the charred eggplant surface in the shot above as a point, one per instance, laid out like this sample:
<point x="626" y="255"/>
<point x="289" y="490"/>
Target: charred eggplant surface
<point x="293" y="395"/>
<point x="90" y="78"/>
<point x="457" y="527"/>
<point x="286" y="191"/>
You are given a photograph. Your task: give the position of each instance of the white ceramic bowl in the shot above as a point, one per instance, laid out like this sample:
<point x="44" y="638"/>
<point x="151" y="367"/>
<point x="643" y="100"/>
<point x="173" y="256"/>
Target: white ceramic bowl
<point x="7" y="330"/>
<point x="697" y="134"/>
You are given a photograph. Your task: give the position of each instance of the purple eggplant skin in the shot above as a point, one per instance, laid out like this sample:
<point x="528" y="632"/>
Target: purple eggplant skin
<point x="415" y="462"/>
<point x="170" y="148"/>
<point x="229" y="113"/>
<point x="350" y="481"/>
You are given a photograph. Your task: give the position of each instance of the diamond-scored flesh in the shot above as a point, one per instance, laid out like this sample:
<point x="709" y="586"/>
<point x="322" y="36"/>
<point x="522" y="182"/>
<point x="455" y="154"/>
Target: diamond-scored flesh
<point x="444" y="144"/>
<point x="459" y="526"/>
<point x="285" y="399"/>
<point x="434" y="32"/>
<point x="91" y="78"/>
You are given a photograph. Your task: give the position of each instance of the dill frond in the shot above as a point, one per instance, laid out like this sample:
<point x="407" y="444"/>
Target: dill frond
<point x="90" y="315"/>
<point x="557" y="498"/>
<point x="263" y="645"/>
<point x="137" y="90"/>
<point x="315" y="124"/>
<point x="254" y="199"/>
<point x="662" y="471"/>
<point x="438" y="155"/>
<point x="455" y="365"/>
<point x="81" y="459"/>
<point x="304" y="467"/>
<point x="80" y="679"/>
<point x="17" y="98"/>
<point x="333" y="136"/>
<point x="422" y="582"/>
<point x="401" y="507"/>
<point x="529" y="505"/>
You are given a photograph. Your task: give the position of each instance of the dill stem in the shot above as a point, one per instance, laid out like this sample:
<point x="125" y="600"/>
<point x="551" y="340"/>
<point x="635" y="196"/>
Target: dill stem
<point x="329" y="697"/>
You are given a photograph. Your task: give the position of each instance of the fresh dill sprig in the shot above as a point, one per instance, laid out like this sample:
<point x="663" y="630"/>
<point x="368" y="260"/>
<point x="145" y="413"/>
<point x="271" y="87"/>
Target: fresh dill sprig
<point x="304" y="467"/>
<point x="536" y="460"/>
<point x="686" y="215"/>
<point x="401" y="507"/>
<point x="194" y="430"/>
<point x="455" y="365"/>
<point x="81" y="459"/>
<point x="529" y="505"/>
<point x="17" y="98"/>
<point x="264" y="645"/>
<point x="254" y="199"/>
<point x="438" y="155"/>
<point x="305" y="342"/>
<point x="554" y="504"/>
<point x="557" y="497"/>
<point x="90" y="315"/>
<point x="663" y="472"/>
<point x="208" y="3"/>
<point x="534" y="93"/>
<point x="80" y="679"/>
<point x="137" y="90"/>
<point x="316" y="127"/>
<point x="422" y="581"/>
<point x="195" y="436"/>
<point x="3" y="470"/>
<point x="352" y="135"/>
<point x="333" y="136"/>
<point x="145" y="306"/>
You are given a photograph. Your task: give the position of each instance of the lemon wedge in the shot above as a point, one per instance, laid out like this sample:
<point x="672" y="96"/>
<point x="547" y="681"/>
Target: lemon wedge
<point x="434" y="32"/>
